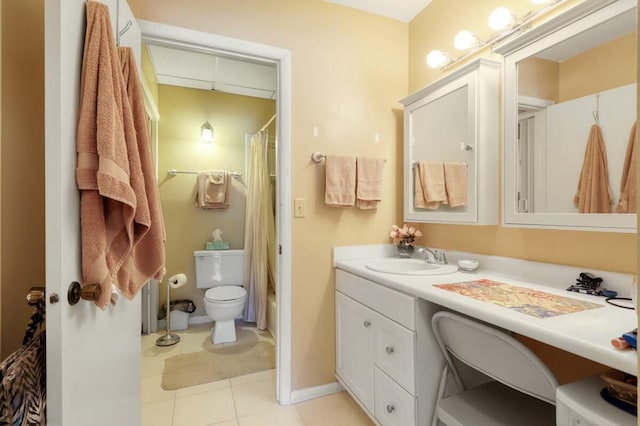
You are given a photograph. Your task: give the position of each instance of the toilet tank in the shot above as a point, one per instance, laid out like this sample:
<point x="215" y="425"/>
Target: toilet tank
<point x="219" y="267"/>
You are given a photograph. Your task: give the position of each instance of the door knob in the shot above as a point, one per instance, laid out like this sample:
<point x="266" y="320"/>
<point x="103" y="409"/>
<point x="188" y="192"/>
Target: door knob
<point x="390" y="408"/>
<point x="389" y="350"/>
<point x="89" y="292"/>
<point x="367" y="324"/>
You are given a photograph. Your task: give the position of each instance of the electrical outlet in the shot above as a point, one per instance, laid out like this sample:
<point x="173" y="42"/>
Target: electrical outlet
<point x="299" y="209"/>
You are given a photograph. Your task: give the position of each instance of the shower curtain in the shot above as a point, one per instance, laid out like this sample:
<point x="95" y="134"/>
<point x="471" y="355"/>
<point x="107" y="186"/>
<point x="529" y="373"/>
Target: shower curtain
<point x="259" y="233"/>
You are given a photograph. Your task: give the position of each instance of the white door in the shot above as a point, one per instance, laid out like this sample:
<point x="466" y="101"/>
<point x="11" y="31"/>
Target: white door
<point x="93" y="356"/>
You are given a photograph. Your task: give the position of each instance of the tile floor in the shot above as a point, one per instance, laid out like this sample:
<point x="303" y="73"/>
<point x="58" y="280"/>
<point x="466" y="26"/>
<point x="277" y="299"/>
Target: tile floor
<point x="241" y="401"/>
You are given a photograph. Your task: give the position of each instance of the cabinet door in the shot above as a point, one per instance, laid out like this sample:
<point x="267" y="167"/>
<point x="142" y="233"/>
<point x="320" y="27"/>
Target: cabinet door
<point x="451" y="125"/>
<point x="354" y="348"/>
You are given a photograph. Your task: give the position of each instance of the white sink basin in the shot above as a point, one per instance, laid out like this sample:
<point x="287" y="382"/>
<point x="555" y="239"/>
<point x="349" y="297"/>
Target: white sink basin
<point x="410" y="267"/>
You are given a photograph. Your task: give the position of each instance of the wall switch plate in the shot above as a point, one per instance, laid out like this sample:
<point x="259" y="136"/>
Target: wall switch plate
<point x="299" y="208"/>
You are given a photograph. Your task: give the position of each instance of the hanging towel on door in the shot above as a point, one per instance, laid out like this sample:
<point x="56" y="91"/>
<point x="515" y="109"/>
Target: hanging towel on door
<point x="147" y="257"/>
<point x="114" y="209"/>
<point x="593" y="194"/>
<point x="628" y="188"/>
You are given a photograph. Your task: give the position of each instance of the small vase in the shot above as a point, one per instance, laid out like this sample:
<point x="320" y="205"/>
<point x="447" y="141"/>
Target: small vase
<point x="404" y="249"/>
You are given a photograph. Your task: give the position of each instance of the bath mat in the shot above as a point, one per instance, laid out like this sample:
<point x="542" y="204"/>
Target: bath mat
<point x="214" y="364"/>
<point x="528" y="301"/>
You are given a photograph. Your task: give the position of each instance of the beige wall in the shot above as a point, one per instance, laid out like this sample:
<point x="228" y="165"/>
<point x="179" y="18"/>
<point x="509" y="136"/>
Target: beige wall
<point x="182" y="112"/>
<point x="605" y="67"/>
<point x="538" y="78"/>
<point x="22" y="164"/>
<point x="349" y="71"/>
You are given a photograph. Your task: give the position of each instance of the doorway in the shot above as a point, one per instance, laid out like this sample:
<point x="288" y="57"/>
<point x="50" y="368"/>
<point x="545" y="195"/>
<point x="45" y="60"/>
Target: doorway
<point x="174" y="37"/>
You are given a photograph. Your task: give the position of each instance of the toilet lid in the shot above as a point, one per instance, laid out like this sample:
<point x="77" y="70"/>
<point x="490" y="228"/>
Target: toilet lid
<point x="225" y="292"/>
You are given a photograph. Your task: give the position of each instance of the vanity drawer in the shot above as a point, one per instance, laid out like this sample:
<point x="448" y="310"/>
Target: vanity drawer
<point x="398" y="306"/>
<point x="394" y="351"/>
<point x="393" y="405"/>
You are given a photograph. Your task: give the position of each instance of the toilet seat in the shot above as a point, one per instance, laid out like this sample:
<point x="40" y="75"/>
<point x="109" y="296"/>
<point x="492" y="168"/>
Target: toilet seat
<point x="225" y="293"/>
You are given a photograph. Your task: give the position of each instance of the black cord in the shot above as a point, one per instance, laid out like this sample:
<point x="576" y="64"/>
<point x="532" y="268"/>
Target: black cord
<point x="609" y="301"/>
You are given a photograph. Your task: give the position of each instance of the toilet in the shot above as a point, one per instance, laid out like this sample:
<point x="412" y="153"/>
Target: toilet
<point x="221" y="272"/>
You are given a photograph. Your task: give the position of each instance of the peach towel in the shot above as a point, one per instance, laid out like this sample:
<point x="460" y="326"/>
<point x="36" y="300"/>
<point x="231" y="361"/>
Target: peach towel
<point x="147" y="258"/>
<point x="213" y="189"/>
<point x="455" y="181"/>
<point x="628" y="188"/>
<point x="429" y="186"/>
<point x="593" y="195"/>
<point x="340" y="177"/>
<point x="108" y="172"/>
<point x="369" y="182"/>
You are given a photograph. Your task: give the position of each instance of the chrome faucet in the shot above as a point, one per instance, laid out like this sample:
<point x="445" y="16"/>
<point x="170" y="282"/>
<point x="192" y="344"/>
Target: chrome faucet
<point x="433" y="256"/>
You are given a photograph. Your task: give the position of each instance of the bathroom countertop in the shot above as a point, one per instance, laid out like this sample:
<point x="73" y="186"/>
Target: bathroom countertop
<point x="587" y="333"/>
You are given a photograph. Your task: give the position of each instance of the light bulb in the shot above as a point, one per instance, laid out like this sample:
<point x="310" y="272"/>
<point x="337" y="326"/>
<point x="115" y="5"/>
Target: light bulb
<point x="540" y="1"/>
<point x="500" y="19"/>
<point x="206" y="133"/>
<point x="464" y="40"/>
<point x="437" y="59"/>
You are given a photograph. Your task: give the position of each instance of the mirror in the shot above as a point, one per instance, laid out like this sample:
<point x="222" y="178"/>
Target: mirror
<point x="560" y="79"/>
<point x="450" y="148"/>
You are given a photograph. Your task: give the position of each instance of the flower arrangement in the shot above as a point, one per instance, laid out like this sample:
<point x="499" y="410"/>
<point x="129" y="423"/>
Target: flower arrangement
<point x="407" y="234"/>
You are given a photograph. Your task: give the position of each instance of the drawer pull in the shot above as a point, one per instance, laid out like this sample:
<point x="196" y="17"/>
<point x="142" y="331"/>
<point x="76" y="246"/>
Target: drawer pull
<point x="389" y="350"/>
<point x="367" y="324"/>
<point x="390" y="408"/>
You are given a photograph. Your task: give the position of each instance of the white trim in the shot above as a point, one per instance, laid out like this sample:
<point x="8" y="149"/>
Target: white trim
<point x="306" y="394"/>
<point x="206" y="42"/>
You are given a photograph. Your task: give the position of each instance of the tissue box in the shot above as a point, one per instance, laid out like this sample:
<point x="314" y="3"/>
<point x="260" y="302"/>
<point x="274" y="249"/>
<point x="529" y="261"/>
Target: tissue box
<point x="217" y="245"/>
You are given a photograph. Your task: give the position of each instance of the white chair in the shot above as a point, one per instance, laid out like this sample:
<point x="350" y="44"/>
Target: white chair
<point x="517" y="388"/>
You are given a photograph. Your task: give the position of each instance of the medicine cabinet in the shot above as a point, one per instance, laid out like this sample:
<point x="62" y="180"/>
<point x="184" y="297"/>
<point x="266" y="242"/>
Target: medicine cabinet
<point x="453" y="123"/>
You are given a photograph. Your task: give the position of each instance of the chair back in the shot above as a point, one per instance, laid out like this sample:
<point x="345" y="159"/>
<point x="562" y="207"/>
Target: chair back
<point x="494" y="353"/>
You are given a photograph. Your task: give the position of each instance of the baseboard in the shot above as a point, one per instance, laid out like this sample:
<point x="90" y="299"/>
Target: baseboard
<point x="312" y="393"/>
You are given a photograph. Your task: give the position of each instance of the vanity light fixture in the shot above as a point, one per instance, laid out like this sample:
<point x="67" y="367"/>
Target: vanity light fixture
<point x="501" y="18"/>
<point x="438" y="59"/>
<point x="502" y="21"/>
<point x="465" y="40"/>
<point x="206" y="133"/>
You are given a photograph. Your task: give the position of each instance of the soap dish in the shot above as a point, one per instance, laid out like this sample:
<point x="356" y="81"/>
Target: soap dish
<point x="466" y="265"/>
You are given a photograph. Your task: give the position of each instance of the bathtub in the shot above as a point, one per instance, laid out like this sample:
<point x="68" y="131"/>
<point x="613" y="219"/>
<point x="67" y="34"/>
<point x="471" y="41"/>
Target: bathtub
<point x="271" y="313"/>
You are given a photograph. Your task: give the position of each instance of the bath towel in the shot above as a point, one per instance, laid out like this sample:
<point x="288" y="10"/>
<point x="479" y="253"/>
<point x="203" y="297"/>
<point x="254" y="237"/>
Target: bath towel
<point x="429" y="187"/>
<point x="369" y="182"/>
<point x="108" y="172"/>
<point x="147" y="257"/>
<point x="628" y="187"/>
<point x="593" y="194"/>
<point x="340" y="177"/>
<point x="213" y="189"/>
<point x="455" y="180"/>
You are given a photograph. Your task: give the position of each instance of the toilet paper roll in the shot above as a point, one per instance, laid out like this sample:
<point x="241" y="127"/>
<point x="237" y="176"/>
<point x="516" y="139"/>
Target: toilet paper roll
<point x="177" y="280"/>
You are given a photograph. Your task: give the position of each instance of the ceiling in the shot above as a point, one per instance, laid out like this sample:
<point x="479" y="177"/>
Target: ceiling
<point x="402" y="10"/>
<point x="206" y="71"/>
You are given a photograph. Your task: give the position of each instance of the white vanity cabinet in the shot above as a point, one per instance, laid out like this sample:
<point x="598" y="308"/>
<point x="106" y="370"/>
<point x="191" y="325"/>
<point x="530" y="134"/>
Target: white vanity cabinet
<point x="455" y="120"/>
<point x="386" y="355"/>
